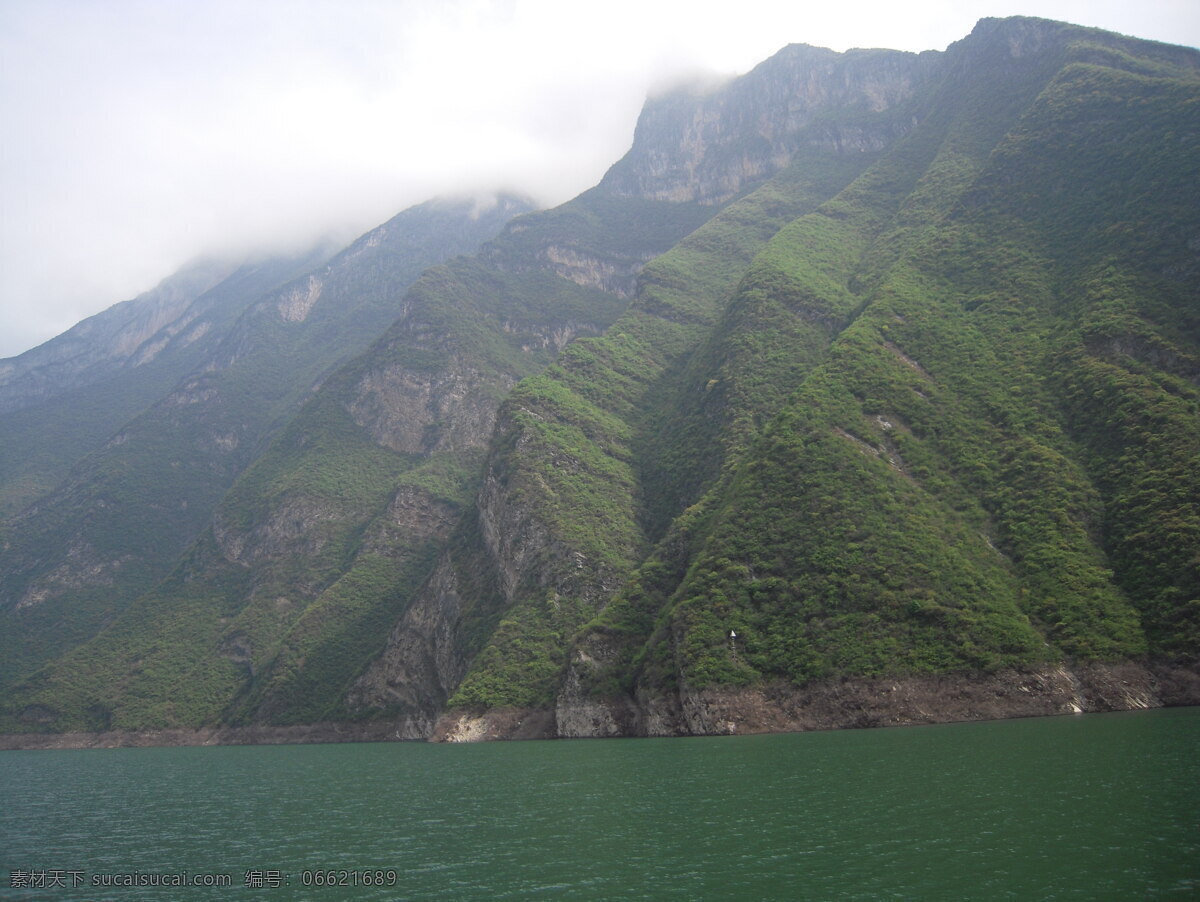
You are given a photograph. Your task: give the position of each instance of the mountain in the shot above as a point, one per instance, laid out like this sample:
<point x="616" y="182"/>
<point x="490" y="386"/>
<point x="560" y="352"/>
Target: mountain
<point x="65" y="398"/>
<point x="863" y="390"/>
<point x="854" y="487"/>
<point x="73" y="560"/>
<point x="110" y="340"/>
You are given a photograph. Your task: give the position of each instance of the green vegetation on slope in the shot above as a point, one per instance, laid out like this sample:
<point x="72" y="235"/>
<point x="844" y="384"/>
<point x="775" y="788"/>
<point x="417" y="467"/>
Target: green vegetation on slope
<point x="924" y="402"/>
<point x="319" y="546"/>
<point x="568" y="441"/>
<point x="931" y="492"/>
<point x="923" y="503"/>
<point x="72" y="563"/>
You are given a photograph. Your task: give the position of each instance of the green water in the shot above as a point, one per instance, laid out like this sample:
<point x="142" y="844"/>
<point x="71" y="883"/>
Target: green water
<point x="1096" y="807"/>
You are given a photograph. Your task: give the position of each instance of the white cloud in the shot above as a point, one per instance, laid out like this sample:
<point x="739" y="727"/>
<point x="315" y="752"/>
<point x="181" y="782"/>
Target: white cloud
<point x="137" y="134"/>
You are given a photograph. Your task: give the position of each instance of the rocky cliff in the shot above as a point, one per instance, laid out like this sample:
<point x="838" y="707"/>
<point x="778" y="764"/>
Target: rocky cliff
<point x="709" y="144"/>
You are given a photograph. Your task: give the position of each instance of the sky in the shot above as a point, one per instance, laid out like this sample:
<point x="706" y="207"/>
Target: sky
<point x="136" y="135"/>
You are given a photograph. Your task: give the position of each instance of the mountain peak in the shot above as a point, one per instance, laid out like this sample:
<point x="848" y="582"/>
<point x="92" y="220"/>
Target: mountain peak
<point x="711" y="145"/>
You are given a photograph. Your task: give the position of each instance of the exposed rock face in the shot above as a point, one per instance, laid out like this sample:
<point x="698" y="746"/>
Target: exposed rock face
<point x="425" y="658"/>
<point x="288" y="530"/>
<point x="709" y="146"/>
<point x="577" y="715"/>
<point x="903" y="701"/>
<point x="81" y="566"/>
<point x="423" y="661"/>
<point x="418" y="412"/>
<point x="133" y="331"/>
<point x="413" y="514"/>
<point x="496" y="723"/>
<point x="297" y="300"/>
<point x="899" y="701"/>
<point x="618" y="276"/>
<point x="516" y="541"/>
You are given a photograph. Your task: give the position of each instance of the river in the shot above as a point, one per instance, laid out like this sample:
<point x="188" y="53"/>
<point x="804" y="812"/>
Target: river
<point x="1087" y="807"/>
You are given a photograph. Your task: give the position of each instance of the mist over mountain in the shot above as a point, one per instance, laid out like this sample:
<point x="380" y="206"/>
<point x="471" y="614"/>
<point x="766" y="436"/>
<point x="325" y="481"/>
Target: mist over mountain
<point x="864" y="389"/>
<point x="171" y="414"/>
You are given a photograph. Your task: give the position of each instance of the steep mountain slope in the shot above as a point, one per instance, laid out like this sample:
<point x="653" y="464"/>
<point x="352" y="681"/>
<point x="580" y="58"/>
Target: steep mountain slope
<point x="876" y="466"/>
<point x="556" y="524"/>
<point x="116" y="526"/>
<point x="863" y="390"/>
<point x="311" y="556"/>
<point x="63" y="399"/>
<point x="320" y="546"/>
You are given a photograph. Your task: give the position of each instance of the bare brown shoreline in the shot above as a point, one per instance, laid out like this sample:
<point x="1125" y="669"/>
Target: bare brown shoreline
<point x="773" y="708"/>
